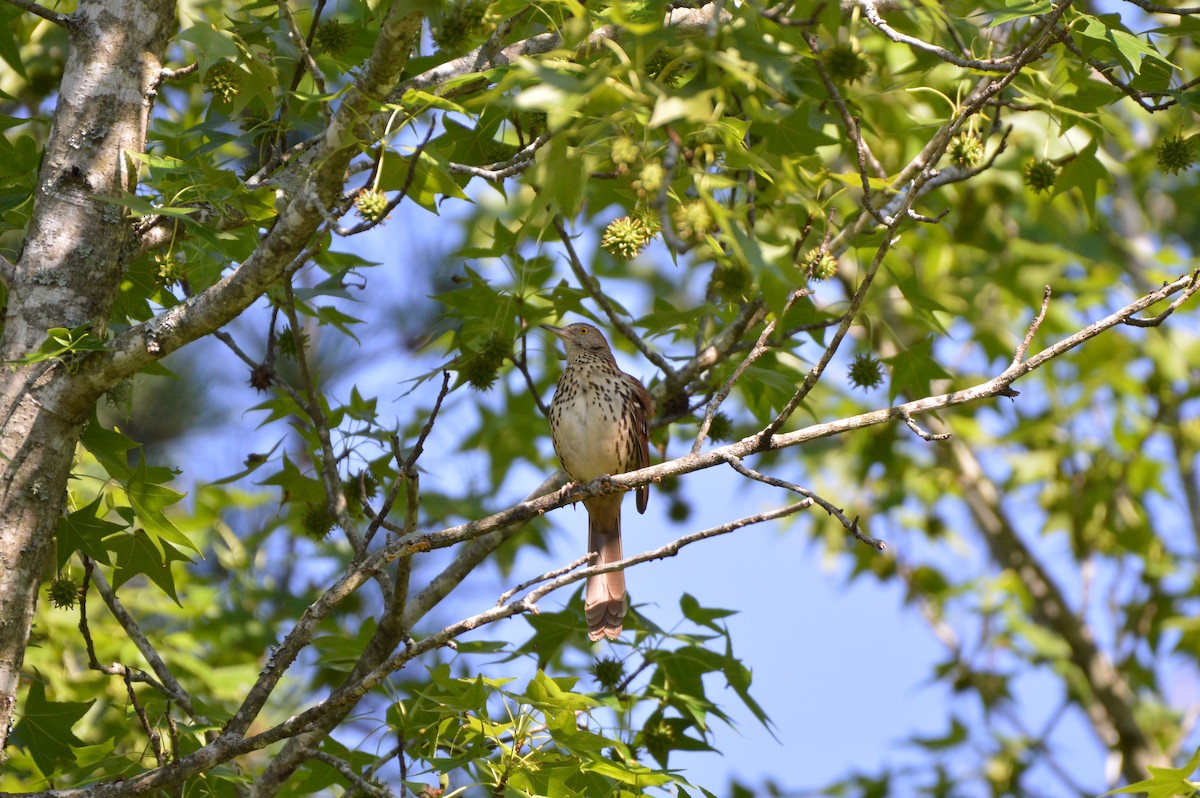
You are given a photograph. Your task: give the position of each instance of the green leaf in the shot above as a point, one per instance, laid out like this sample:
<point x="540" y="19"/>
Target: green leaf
<point x="1018" y="9"/>
<point x="45" y="727"/>
<point x="329" y="315"/>
<point x="739" y="677"/>
<point x="137" y="553"/>
<point x="795" y="134"/>
<point x="61" y="343"/>
<point x="545" y="693"/>
<point x="957" y="735"/>
<point x="1165" y="782"/>
<point x="149" y="498"/>
<point x="212" y="44"/>
<point x="913" y="370"/>
<point x="109" y="447"/>
<point x="253" y="462"/>
<point x="696" y="614"/>
<point x="84" y="532"/>
<point x="10" y="50"/>
<point x="1086" y="173"/>
<point x="425" y="176"/>
<point x="296" y="487"/>
<point x="920" y="298"/>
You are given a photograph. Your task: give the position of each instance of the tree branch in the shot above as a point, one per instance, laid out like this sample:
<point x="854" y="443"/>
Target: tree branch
<point x="871" y="12"/>
<point x="200" y="315"/>
<point x="1112" y="712"/>
<point x="63" y="20"/>
<point x="589" y="284"/>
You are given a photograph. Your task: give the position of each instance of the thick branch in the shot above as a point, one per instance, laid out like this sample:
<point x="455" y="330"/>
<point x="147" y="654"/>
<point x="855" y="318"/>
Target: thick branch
<point x="292" y="232"/>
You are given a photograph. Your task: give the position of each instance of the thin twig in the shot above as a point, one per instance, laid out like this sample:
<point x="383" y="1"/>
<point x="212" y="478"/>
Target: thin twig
<point x="921" y="433"/>
<point x="843" y="110"/>
<point x="1154" y="321"/>
<point x="851" y="526"/>
<point x="860" y="149"/>
<point x="759" y="349"/>
<point x="557" y="572"/>
<point x="518" y="163"/>
<point x="666" y="229"/>
<point x="335" y="497"/>
<point x="589" y="284"/>
<point x="116" y="669"/>
<point x="522" y="364"/>
<point x="302" y="44"/>
<point x="140" y="711"/>
<point x="344" y="767"/>
<point x="409" y="177"/>
<point x="871" y="12"/>
<point x="169" y="685"/>
<point x="406" y="474"/>
<point x="1019" y="355"/>
<point x="419" y="447"/>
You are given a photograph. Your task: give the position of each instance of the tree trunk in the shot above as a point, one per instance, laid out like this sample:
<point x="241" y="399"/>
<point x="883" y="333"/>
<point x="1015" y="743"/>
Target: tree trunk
<point x="75" y="249"/>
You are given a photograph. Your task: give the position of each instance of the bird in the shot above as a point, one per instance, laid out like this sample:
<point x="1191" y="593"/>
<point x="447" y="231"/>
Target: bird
<point x="600" y="424"/>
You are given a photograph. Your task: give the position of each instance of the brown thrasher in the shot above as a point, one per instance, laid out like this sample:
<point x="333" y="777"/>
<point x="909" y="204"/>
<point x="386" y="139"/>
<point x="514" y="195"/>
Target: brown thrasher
<point x="600" y="424"/>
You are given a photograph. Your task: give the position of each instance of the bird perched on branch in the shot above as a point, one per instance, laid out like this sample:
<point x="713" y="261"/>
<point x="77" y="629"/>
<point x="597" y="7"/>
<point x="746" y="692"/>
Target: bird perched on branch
<point x="600" y="424"/>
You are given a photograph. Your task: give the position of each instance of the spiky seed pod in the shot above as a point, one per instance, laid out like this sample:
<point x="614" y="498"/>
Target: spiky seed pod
<point x="965" y="150"/>
<point x="371" y="204"/>
<point x="536" y="123"/>
<point x="1040" y="175"/>
<point x="721" y="428"/>
<point x="353" y="492"/>
<point x="678" y="511"/>
<point x="730" y="281"/>
<point x="626" y="237"/>
<point x="608" y="672"/>
<point x="461" y="23"/>
<point x="693" y="220"/>
<point x="222" y="81"/>
<point x="317" y="521"/>
<point x="1174" y="154"/>
<point x="285" y="341"/>
<point x="661" y="66"/>
<point x="332" y="37"/>
<point x="818" y="264"/>
<point x="865" y="372"/>
<point x="260" y="378"/>
<point x="497" y="349"/>
<point x="659" y="738"/>
<point x="63" y="592"/>
<point x="480" y="368"/>
<point x="845" y="63"/>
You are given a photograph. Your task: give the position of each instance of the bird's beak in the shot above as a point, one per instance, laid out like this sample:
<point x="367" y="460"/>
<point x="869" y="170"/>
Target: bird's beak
<point x="559" y="331"/>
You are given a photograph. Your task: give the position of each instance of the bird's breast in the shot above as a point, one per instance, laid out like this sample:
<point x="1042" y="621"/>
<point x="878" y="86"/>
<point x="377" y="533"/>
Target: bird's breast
<point x="587" y="426"/>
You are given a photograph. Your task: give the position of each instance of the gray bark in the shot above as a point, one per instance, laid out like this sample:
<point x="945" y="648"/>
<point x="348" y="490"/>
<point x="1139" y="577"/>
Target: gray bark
<point x="66" y="276"/>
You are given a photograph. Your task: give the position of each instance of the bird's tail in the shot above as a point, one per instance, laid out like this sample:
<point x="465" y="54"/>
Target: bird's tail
<point x="604" y="598"/>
